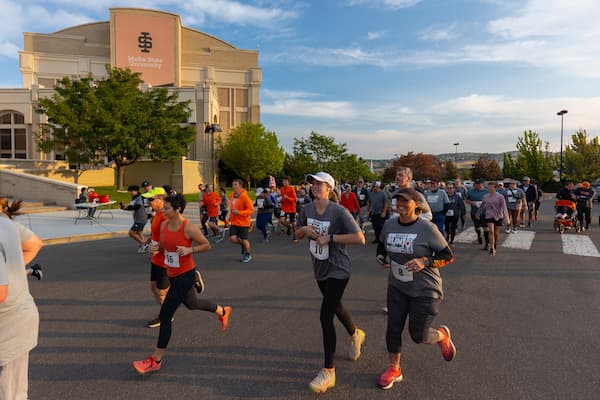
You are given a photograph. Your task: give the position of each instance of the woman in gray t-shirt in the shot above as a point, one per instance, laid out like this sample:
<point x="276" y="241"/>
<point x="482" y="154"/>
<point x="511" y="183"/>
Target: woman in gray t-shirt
<point x="329" y="228"/>
<point x="415" y="249"/>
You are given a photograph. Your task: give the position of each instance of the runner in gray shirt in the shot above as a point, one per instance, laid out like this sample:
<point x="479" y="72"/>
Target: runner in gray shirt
<point x="329" y="228"/>
<point x="416" y="249"/>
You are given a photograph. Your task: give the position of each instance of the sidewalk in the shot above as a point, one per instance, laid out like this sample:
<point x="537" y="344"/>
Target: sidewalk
<point x="60" y="227"/>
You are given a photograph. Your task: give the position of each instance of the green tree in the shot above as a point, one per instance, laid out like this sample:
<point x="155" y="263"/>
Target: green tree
<point x="449" y="170"/>
<point x="582" y="158"/>
<point x="532" y="160"/>
<point x="116" y="119"/>
<point x="70" y="128"/>
<point x="486" y="168"/>
<point x="252" y="152"/>
<point x="322" y="153"/>
<point x="509" y="167"/>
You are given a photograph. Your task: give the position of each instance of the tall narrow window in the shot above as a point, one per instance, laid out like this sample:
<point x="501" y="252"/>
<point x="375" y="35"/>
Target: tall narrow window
<point x="13" y="135"/>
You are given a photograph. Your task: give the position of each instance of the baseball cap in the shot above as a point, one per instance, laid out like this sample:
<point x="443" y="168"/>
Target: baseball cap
<point x="434" y="180"/>
<point x="408" y="194"/>
<point x="259" y="191"/>
<point x="526" y="178"/>
<point x="157" y="191"/>
<point x="478" y="180"/>
<point x="377" y="183"/>
<point x="145" y="183"/>
<point x="321" y="177"/>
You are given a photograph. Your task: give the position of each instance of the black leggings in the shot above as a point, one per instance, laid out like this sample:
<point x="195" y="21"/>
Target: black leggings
<point x="450" y="225"/>
<point x="333" y="290"/>
<point x="181" y="291"/>
<point x="420" y="310"/>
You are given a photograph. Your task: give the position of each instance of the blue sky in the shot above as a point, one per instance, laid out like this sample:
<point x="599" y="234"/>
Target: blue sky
<point x="387" y="76"/>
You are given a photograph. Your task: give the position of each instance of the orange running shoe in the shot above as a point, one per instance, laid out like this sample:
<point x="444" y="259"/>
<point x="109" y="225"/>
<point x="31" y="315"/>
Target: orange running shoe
<point x="147" y="365"/>
<point x="224" y="319"/>
<point x="389" y="377"/>
<point x="446" y="344"/>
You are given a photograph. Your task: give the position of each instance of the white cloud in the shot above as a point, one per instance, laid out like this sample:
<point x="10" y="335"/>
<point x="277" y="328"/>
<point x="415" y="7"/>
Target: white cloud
<point x="390" y="4"/>
<point x="479" y="122"/>
<point x="235" y="12"/>
<point x="436" y="33"/>
<point x="375" y="35"/>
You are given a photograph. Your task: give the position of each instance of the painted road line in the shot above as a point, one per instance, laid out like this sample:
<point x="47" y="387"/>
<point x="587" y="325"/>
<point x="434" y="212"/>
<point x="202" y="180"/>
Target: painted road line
<point x="579" y="245"/>
<point x="521" y="240"/>
<point x="467" y="236"/>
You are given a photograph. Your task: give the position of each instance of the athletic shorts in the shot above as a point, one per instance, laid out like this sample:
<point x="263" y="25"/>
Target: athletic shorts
<point x="239" y="231"/>
<point x="213" y="219"/>
<point x="158" y="274"/>
<point x="137" y="227"/>
<point x="531" y="206"/>
<point x="290" y="216"/>
<point x="498" y="222"/>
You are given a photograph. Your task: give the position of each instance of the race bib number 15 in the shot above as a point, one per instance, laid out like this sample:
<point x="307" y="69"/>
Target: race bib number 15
<point x="172" y="259"/>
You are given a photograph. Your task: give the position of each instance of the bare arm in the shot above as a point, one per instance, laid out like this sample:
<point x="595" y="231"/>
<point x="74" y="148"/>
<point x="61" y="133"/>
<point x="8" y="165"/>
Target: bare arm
<point x="343" y="238"/>
<point x="31" y="248"/>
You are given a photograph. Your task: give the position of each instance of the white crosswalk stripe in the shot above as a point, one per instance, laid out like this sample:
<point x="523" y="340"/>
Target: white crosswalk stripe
<point x="579" y="245"/>
<point x="467" y="236"/>
<point x="521" y="240"/>
<point x="572" y="244"/>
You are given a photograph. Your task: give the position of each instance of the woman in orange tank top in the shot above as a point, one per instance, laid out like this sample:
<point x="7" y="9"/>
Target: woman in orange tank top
<point x="177" y="239"/>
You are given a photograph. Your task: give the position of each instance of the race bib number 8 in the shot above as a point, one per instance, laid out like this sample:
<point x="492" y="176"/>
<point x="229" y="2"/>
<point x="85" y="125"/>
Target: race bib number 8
<point x="172" y="259"/>
<point x="319" y="252"/>
<point x="401" y="273"/>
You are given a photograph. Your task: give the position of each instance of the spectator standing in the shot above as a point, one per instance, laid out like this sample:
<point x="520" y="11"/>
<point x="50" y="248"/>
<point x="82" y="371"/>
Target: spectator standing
<point x="19" y="317"/>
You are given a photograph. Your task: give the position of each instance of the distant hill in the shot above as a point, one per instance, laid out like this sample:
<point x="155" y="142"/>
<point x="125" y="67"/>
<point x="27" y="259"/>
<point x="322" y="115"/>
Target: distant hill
<point x="463" y="160"/>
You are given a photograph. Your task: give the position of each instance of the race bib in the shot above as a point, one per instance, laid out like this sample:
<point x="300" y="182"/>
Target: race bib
<point x="322" y="229"/>
<point x="319" y="252"/>
<point x="301" y="200"/>
<point x="477" y="204"/>
<point x="400" y="272"/>
<point x="172" y="259"/>
<point x="394" y="202"/>
<point x="361" y="197"/>
<point x="260" y="203"/>
<point x="400" y="242"/>
<point x="450" y="213"/>
<point x="511" y="199"/>
<point x="282" y="214"/>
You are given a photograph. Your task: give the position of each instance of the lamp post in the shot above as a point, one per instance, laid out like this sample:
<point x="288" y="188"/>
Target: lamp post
<point x="456" y="153"/>
<point x="211" y="129"/>
<point x="562" y="116"/>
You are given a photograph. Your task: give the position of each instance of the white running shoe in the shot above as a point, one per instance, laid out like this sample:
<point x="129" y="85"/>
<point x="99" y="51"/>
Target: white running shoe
<point x="356" y="343"/>
<point x="324" y="380"/>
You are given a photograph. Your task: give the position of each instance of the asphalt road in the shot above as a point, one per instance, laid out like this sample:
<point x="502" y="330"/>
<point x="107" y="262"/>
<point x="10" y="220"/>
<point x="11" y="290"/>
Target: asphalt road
<point x="525" y="324"/>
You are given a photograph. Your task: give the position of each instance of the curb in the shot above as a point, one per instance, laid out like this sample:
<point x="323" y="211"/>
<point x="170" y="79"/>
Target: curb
<point x="84" y="238"/>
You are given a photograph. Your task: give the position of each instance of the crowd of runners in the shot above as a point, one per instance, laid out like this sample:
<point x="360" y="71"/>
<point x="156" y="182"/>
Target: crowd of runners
<point x="414" y="226"/>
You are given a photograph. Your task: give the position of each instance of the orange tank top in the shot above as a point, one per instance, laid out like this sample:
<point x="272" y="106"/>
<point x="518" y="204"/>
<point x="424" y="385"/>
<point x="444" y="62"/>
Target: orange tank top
<point x="176" y="264"/>
<point x="158" y="258"/>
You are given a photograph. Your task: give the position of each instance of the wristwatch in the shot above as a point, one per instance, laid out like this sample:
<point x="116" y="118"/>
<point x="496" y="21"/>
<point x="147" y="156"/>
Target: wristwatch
<point x="427" y="262"/>
<point x="331" y="238"/>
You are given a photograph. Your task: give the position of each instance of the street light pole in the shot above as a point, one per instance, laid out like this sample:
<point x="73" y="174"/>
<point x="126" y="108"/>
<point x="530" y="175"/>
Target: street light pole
<point x="211" y="129"/>
<point x="561" y="113"/>
<point x="456" y="154"/>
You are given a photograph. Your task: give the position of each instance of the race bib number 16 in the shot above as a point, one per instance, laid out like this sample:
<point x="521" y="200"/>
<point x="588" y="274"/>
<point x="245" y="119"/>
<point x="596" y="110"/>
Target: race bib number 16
<point x="319" y="252"/>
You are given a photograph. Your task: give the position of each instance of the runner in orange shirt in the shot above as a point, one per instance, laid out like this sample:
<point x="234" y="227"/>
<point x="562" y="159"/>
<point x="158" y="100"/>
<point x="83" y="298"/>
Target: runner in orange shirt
<point x="288" y="207"/>
<point x="241" y="210"/>
<point x="177" y="239"/>
<point x="212" y="202"/>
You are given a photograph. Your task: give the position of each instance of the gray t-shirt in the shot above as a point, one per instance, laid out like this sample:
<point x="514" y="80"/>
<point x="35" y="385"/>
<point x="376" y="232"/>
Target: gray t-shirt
<point x="19" y="318"/>
<point x="332" y="261"/>
<point x="139" y="214"/>
<point x="513" y="197"/>
<point x="377" y="201"/>
<point x="436" y="200"/>
<point x="405" y="242"/>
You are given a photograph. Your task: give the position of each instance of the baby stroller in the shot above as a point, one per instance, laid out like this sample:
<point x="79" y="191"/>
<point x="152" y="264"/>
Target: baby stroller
<point x="566" y="216"/>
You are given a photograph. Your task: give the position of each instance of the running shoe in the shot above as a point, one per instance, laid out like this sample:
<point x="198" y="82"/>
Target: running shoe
<point x="381" y="259"/>
<point x="142" y="249"/>
<point x="154" y="323"/>
<point x="508" y="230"/>
<point x="147" y="365"/>
<point x="479" y="238"/>
<point x="224" y="319"/>
<point x="356" y="342"/>
<point x="446" y="345"/>
<point x="324" y="380"/>
<point x="384" y="309"/>
<point x="36" y="271"/>
<point x="389" y="377"/>
<point x="199" y="283"/>
<point x="246" y="257"/>
<point x="251" y="228"/>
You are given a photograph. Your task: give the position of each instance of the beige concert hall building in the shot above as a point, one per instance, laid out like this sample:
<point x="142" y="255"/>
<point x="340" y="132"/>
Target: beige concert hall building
<point x="221" y="81"/>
